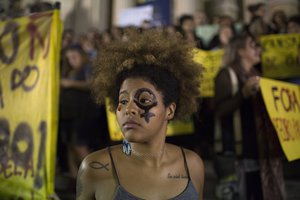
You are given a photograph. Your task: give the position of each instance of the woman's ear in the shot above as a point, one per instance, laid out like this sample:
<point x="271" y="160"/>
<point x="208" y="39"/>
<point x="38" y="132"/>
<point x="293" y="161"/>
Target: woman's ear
<point x="171" y="111"/>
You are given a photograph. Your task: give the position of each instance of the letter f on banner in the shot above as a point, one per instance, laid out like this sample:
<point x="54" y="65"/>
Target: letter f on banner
<point x="276" y="98"/>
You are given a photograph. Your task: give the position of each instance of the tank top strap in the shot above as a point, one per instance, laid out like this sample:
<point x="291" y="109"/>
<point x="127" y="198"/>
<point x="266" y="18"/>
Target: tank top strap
<point x="185" y="163"/>
<point x="113" y="165"/>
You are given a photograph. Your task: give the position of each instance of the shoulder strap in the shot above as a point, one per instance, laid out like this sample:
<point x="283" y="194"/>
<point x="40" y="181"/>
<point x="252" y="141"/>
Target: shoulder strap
<point x="218" y="144"/>
<point x="234" y="81"/>
<point x="185" y="163"/>
<point x="237" y="124"/>
<point x="113" y="165"/>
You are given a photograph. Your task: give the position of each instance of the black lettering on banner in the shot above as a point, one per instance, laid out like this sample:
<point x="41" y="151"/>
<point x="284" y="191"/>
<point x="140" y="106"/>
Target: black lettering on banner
<point x="1" y="97"/>
<point x="282" y="42"/>
<point x="38" y="181"/>
<point x="10" y="28"/>
<point x="296" y="124"/>
<point x="289" y="60"/>
<point x="284" y="126"/>
<point x="270" y="61"/>
<point x="34" y="33"/>
<point x="21" y="157"/>
<point x="275" y="96"/>
<point x="17" y="155"/>
<point x="18" y="78"/>
<point x="20" y="153"/>
<point x="292" y="60"/>
<point x="4" y="140"/>
<point x="285" y="99"/>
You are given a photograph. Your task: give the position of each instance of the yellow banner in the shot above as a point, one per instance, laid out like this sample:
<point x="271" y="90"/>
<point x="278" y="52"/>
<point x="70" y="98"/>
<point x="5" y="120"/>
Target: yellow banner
<point x="176" y="127"/>
<point x="211" y="62"/>
<point x="281" y="55"/>
<point x="282" y="101"/>
<point x="29" y="87"/>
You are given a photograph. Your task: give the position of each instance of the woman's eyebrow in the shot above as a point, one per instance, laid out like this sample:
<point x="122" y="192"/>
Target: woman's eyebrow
<point x="123" y="92"/>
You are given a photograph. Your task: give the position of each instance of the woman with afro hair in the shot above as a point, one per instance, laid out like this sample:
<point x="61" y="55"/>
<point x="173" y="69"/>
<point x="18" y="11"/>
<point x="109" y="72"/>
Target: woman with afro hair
<point x="150" y="79"/>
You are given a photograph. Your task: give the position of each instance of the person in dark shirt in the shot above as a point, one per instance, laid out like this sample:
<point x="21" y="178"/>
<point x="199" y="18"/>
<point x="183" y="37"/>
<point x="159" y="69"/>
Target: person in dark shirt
<point x="235" y="85"/>
<point x="187" y="29"/>
<point x="223" y="37"/>
<point x="75" y="106"/>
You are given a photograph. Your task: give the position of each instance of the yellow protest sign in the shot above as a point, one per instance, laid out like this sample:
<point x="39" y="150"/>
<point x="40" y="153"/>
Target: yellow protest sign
<point x="29" y="87"/>
<point x="281" y="55"/>
<point x="211" y="62"/>
<point x="176" y="127"/>
<point x="282" y="101"/>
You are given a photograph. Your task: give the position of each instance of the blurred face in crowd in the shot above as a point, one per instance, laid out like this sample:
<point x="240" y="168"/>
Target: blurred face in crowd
<point x="261" y="11"/>
<point x="116" y="33"/>
<point x="67" y="40"/>
<point x="258" y="27"/>
<point x="225" y="21"/>
<point x="279" y="17"/>
<point x="88" y="44"/>
<point x="74" y="58"/>
<point x="200" y="18"/>
<point x="293" y="27"/>
<point x="250" y="53"/>
<point x="226" y="34"/>
<point x="188" y="25"/>
<point x="170" y="30"/>
<point x="105" y="38"/>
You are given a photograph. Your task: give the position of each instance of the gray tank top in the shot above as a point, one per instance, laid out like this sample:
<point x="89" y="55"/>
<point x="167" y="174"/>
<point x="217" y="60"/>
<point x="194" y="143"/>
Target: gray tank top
<point x="189" y="193"/>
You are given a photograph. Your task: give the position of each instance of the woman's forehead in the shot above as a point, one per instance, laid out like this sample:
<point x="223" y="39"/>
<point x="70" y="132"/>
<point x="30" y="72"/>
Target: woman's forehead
<point x="133" y="84"/>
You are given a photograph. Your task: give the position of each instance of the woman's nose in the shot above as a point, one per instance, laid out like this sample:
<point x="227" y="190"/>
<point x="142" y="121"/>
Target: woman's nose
<point x="131" y="108"/>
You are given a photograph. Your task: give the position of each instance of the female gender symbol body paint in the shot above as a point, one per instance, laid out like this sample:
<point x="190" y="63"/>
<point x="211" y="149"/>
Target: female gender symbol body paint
<point x="145" y="99"/>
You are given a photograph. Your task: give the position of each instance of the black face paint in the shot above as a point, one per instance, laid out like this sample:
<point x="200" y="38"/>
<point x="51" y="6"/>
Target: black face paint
<point x="145" y="99"/>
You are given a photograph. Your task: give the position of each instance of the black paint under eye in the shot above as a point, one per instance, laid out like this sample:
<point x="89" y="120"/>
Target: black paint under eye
<point x="146" y="108"/>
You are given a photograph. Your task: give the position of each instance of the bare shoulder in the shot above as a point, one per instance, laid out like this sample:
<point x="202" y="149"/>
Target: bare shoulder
<point x="194" y="160"/>
<point x="95" y="171"/>
<point x="196" y="169"/>
<point x="97" y="164"/>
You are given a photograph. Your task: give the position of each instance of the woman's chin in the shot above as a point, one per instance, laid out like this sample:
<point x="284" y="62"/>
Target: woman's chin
<point x="132" y="136"/>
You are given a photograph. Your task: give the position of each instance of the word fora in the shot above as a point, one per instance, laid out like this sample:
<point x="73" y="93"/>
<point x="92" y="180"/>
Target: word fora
<point x="286" y="98"/>
<point x="11" y="28"/>
<point x="16" y="158"/>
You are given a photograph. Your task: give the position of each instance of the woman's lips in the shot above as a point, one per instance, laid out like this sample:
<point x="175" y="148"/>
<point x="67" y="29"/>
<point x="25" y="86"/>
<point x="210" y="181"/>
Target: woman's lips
<point x="130" y="125"/>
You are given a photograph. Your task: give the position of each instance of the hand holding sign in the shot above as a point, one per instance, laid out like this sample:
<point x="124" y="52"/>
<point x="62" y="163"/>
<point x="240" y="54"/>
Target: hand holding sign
<point x="282" y="101"/>
<point x="251" y="86"/>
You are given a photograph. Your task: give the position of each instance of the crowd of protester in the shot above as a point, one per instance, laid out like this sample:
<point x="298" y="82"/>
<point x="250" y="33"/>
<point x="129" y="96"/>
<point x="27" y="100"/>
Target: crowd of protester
<point x="86" y="47"/>
<point x="83" y="124"/>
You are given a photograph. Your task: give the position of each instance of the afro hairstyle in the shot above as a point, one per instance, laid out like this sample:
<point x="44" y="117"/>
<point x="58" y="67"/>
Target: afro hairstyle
<point x="164" y="61"/>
